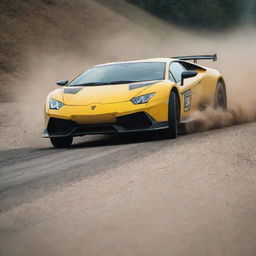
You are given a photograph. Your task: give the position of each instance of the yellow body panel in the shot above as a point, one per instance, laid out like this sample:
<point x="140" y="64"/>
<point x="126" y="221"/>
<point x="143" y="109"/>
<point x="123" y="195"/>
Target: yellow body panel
<point x="102" y="104"/>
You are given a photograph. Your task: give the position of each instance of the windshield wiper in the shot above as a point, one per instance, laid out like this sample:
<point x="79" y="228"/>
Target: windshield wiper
<point x="87" y="84"/>
<point x="106" y="83"/>
<point x="122" y="82"/>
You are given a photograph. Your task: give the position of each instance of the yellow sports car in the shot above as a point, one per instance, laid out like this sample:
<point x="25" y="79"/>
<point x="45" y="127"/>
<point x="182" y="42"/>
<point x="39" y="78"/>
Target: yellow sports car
<point x="135" y="96"/>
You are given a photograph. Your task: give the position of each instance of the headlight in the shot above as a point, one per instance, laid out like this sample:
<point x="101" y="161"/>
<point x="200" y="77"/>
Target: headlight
<point x="142" y="99"/>
<point x="54" y="104"/>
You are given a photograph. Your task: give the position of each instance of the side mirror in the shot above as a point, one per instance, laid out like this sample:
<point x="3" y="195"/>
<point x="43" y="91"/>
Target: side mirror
<point x="62" y="82"/>
<point x="187" y="74"/>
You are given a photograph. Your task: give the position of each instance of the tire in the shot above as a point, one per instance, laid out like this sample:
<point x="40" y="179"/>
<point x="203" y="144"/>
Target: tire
<point x="62" y="142"/>
<point x="220" y="101"/>
<point x="173" y="113"/>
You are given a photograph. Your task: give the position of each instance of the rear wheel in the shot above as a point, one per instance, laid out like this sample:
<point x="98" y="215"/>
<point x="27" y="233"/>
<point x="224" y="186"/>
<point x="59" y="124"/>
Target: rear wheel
<point x="62" y="142"/>
<point x="173" y="113"/>
<point x="220" y="96"/>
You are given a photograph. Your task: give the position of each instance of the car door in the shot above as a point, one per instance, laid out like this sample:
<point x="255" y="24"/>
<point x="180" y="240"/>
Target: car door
<point x="190" y="91"/>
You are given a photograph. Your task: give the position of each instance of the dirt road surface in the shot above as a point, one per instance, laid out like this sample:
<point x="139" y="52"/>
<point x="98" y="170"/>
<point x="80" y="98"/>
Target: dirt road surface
<point x="116" y="196"/>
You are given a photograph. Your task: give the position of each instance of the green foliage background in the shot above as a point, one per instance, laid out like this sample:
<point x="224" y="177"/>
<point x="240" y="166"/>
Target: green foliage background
<point x="212" y="14"/>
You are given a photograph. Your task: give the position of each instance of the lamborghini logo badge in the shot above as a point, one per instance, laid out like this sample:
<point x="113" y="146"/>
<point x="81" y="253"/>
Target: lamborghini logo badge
<point x="93" y="107"/>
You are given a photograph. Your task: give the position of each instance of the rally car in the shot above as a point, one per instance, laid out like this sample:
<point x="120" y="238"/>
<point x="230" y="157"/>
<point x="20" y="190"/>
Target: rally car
<point x="136" y="96"/>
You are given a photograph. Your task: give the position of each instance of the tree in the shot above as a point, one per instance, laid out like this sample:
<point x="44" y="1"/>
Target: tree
<point x="217" y="14"/>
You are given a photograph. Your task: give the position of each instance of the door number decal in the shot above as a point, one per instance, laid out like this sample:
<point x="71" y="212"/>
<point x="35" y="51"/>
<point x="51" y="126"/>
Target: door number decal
<point x="187" y="100"/>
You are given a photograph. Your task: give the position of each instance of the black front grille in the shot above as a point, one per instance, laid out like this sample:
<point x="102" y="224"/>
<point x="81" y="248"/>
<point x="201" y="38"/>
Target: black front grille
<point x="63" y="127"/>
<point x="60" y="126"/>
<point x="135" y="121"/>
<point x="130" y="122"/>
<point x="95" y="129"/>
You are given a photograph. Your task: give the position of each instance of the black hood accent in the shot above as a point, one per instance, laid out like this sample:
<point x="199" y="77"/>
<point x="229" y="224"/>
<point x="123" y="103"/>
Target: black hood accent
<point x="136" y="86"/>
<point x="72" y="90"/>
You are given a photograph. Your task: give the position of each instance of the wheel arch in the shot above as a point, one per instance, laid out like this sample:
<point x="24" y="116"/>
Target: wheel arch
<point x="222" y="81"/>
<point x="176" y="91"/>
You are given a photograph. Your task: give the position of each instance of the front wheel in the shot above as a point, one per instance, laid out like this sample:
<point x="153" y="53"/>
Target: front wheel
<point x="173" y="112"/>
<point x="62" y="142"/>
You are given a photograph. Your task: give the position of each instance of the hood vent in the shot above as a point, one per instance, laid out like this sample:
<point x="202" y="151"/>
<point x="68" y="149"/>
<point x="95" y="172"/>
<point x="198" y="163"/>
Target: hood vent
<point x="136" y="86"/>
<point x="72" y="90"/>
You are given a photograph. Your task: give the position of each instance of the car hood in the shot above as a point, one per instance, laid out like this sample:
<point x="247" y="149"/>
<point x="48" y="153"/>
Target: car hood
<point x="103" y="94"/>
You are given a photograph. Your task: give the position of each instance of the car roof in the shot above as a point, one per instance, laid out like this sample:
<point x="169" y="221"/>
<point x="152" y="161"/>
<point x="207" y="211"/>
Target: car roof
<point x="138" y="61"/>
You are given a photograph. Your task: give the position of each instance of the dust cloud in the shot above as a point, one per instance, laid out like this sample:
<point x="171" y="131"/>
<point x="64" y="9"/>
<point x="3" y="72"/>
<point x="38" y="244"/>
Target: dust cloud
<point x="236" y="62"/>
<point x="236" y="50"/>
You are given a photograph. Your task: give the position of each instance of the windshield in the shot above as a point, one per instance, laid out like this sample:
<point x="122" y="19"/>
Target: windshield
<point x="121" y="73"/>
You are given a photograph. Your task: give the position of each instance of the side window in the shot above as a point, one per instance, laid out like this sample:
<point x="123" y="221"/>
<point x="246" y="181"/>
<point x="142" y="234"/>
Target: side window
<point x="175" y="71"/>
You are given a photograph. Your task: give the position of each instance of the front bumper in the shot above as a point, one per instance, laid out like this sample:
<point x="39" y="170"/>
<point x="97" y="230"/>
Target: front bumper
<point x="113" y="118"/>
<point x="136" y="122"/>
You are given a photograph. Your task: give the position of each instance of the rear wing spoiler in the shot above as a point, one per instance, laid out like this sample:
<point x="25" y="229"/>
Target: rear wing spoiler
<point x="195" y="58"/>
